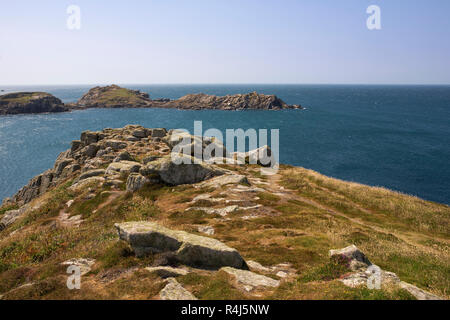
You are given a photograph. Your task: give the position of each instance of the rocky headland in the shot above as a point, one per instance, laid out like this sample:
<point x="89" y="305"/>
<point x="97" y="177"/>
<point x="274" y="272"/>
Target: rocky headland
<point x="249" y="101"/>
<point x="117" y="97"/>
<point x="30" y="102"/>
<point x="140" y="226"/>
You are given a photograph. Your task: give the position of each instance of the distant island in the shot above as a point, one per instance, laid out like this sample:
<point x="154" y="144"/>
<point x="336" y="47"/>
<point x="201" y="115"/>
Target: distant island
<point x="30" y="102"/>
<point x="117" y="97"/>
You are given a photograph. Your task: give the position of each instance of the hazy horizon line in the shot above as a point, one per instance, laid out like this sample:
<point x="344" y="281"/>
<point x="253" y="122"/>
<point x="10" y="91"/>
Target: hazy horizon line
<point x="228" y="84"/>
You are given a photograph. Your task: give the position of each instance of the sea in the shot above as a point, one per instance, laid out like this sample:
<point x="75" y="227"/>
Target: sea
<point x="392" y="136"/>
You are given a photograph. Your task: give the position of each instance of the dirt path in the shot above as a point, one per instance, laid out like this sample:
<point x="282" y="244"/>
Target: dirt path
<point x="288" y="194"/>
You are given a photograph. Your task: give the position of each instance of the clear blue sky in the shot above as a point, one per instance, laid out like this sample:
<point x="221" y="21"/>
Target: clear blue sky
<point x="227" y="41"/>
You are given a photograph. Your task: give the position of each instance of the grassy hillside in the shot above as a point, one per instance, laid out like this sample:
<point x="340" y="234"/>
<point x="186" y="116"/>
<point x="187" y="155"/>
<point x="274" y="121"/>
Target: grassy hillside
<point x="296" y="217"/>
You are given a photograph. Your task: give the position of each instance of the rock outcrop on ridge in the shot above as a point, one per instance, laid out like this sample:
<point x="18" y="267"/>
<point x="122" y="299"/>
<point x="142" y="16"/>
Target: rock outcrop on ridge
<point x="116" y="207"/>
<point x="30" y="102"/>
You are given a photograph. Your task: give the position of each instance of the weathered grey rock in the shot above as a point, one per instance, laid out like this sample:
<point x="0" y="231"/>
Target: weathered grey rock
<point x="84" y="264"/>
<point x="370" y="273"/>
<point x="361" y="278"/>
<point x="149" y="159"/>
<point x="113" y="183"/>
<point x="223" y="180"/>
<point x="131" y="138"/>
<point x="123" y="167"/>
<point x="249" y="279"/>
<point x="158" y="132"/>
<point x="86" y="182"/>
<point x="114" y="144"/>
<point x="183" y="173"/>
<point x="418" y="293"/>
<point x="9" y="217"/>
<point x="91" y="173"/>
<point x="75" y="145"/>
<point x="241" y="188"/>
<point x="124" y="156"/>
<point x="167" y="272"/>
<point x="206" y="148"/>
<point x="262" y="156"/>
<point x="174" y="291"/>
<point x="90" y="151"/>
<point x="220" y="211"/>
<point x="141" y="133"/>
<point x="145" y="237"/>
<point x="69" y="170"/>
<point x="136" y="181"/>
<point x="206" y="230"/>
<point x="60" y="165"/>
<point x="351" y="255"/>
<point x="35" y="187"/>
<point x="88" y="137"/>
<point x="257" y="266"/>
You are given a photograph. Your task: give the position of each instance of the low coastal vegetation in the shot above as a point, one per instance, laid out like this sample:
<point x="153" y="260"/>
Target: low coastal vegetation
<point x="268" y="236"/>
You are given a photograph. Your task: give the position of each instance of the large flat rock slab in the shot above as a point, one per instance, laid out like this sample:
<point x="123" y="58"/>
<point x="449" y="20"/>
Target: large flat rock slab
<point x="147" y="237"/>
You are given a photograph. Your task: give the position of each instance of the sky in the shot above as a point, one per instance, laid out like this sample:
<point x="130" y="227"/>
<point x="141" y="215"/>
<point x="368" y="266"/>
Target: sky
<point x="227" y="41"/>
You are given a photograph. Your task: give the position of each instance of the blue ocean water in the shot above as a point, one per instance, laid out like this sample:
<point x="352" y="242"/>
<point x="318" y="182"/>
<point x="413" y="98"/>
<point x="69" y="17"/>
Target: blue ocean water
<point x="392" y="136"/>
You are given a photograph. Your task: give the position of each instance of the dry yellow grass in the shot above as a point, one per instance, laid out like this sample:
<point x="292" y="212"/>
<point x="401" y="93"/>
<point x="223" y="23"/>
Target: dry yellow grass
<point x="400" y="233"/>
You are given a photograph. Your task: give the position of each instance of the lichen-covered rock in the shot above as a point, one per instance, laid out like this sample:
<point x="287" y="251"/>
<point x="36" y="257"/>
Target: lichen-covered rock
<point x="9" y="217"/>
<point x="136" y="181"/>
<point x="123" y="167"/>
<point x="206" y="230"/>
<point x="86" y="182"/>
<point x="91" y="173"/>
<point x="84" y="264"/>
<point x="90" y="151"/>
<point x="220" y="211"/>
<point x="37" y="186"/>
<point x="158" y="132"/>
<point x="368" y="273"/>
<point x="418" y="293"/>
<point x="140" y="133"/>
<point x="88" y="137"/>
<point x="175" y="291"/>
<point x="145" y="237"/>
<point x="223" y="180"/>
<point x="207" y="148"/>
<point x="124" y="156"/>
<point x="114" y="144"/>
<point x="181" y="171"/>
<point x="352" y="256"/>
